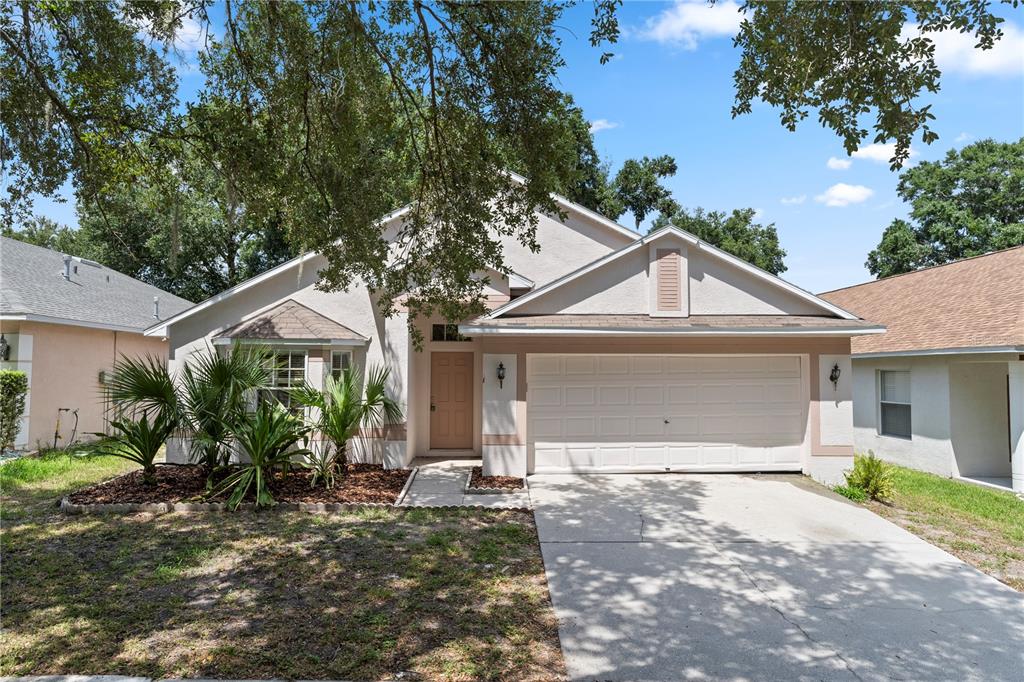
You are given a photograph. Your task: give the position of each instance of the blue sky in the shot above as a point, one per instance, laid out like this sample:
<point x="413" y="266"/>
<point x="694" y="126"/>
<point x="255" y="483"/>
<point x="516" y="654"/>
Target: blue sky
<point x="669" y="91"/>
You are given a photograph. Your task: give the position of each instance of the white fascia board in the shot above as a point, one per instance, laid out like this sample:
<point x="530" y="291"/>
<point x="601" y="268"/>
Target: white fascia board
<point x="517" y="281"/>
<point x="49" y="319"/>
<point x="224" y="341"/>
<point x="975" y="350"/>
<point x="477" y="330"/>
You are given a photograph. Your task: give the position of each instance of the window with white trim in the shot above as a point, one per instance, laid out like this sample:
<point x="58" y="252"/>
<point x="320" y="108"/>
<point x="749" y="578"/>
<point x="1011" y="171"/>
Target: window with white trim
<point x="287" y="369"/>
<point x="340" y="361"/>
<point x="894" y="403"/>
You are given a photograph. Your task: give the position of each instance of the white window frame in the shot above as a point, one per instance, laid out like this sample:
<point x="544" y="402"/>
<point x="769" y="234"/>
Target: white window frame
<point x="343" y="354"/>
<point x="880" y="379"/>
<point x="273" y="386"/>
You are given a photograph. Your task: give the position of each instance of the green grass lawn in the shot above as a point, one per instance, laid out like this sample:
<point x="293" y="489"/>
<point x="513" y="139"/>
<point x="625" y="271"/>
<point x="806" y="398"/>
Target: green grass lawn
<point x="982" y="526"/>
<point x="449" y="595"/>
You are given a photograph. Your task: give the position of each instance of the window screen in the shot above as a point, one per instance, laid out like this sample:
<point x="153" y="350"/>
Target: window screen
<point x="894" y="404"/>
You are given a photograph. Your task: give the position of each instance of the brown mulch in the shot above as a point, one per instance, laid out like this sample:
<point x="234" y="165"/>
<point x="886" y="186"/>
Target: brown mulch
<point x="478" y="480"/>
<point x="179" y="483"/>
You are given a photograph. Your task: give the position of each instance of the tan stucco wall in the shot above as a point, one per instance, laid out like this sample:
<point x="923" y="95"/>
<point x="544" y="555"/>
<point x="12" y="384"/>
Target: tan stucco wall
<point x="66" y="362"/>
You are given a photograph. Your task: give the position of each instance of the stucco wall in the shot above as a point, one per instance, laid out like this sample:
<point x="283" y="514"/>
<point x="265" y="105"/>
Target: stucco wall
<point x="979" y="427"/>
<point x="958" y="410"/>
<point x="719" y="288"/>
<point x="66" y="362"/>
<point x="620" y="287"/>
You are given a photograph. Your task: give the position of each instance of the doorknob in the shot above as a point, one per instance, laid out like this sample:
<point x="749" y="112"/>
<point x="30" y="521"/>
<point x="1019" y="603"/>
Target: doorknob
<point x="433" y="407"/>
<point x="666" y="421"/>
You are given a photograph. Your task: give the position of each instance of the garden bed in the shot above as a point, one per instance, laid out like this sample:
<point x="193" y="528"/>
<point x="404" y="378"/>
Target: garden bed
<point x="480" y="483"/>
<point x="361" y="484"/>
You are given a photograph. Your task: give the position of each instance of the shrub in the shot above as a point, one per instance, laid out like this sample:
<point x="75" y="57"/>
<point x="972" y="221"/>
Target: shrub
<point x="13" y="389"/>
<point x="138" y="441"/>
<point x="871" y="475"/>
<point x="268" y="437"/>
<point x="851" y="493"/>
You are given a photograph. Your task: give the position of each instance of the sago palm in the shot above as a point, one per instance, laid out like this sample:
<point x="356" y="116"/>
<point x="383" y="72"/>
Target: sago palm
<point x="138" y="441"/>
<point x="344" y="406"/>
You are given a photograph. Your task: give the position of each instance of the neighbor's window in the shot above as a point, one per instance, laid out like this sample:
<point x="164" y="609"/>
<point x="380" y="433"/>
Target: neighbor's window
<point x="894" y="403"/>
<point x="447" y="332"/>
<point x="287" y="370"/>
<point x="340" y="361"/>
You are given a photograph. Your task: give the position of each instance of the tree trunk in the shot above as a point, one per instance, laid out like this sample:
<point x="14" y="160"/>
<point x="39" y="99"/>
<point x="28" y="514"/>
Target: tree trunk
<point x="342" y="456"/>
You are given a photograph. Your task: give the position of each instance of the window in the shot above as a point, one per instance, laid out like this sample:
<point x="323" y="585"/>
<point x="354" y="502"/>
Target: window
<point x="894" y="403"/>
<point x="287" y="370"/>
<point x="447" y="332"/>
<point x="340" y="361"/>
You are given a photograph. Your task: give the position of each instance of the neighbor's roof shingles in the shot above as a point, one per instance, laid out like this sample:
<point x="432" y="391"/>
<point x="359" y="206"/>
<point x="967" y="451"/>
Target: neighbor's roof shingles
<point x="972" y="303"/>
<point x="32" y="283"/>
<point x="290" y="321"/>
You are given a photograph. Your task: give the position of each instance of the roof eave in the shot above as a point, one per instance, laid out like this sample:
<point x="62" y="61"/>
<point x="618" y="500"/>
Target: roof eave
<point x="963" y="350"/>
<point x="477" y="330"/>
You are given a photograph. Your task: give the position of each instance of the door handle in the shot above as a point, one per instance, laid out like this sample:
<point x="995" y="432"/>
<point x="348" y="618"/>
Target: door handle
<point x="433" y="407"/>
<point x="666" y="421"/>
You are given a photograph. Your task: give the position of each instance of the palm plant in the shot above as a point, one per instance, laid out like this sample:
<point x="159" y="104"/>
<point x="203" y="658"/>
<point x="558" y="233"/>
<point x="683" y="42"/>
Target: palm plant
<point x="206" y="400"/>
<point x="341" y="408"/>
<point x="268" y="437"/>
<point x="213" y="391"/>
<point x="138" y="441"/>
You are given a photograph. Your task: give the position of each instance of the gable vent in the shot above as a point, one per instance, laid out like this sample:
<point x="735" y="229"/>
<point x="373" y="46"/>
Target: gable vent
<point x="669" y="290"/>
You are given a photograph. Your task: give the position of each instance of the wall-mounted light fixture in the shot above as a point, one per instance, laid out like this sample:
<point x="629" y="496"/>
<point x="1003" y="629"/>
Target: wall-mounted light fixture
<point x="501" y="375"/>
<point x="5" y="349"/>
<point x="834" y="376"/>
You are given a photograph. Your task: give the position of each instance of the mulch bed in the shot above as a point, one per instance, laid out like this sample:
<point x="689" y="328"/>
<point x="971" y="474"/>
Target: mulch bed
<point x="181" y="483"/>
<point x="478" y="480"/>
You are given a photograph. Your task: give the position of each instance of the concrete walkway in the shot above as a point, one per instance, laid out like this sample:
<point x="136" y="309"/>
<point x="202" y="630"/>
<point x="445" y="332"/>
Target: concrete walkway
<point x="443" y="483"/>
<point x="670" y="577"/>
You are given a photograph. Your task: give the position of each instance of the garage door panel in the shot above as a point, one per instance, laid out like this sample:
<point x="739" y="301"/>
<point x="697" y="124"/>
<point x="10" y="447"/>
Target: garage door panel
<point x="651" y="412"/>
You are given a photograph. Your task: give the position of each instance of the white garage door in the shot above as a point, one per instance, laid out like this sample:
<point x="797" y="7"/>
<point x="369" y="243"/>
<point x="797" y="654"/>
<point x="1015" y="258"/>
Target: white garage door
<point x="665" y="412"/>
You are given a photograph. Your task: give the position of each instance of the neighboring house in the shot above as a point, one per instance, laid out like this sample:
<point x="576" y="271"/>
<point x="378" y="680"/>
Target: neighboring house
<point x="943" y="389"/>
<point x="603" y="352"/>
<point x="65" y="320"/>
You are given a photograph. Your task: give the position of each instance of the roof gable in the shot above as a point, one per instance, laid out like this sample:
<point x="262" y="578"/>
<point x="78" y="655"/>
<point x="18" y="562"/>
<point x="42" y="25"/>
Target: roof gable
<point x="289" y="321"/>
<point x="974" y="303"/>
<point x="617" y="283"/>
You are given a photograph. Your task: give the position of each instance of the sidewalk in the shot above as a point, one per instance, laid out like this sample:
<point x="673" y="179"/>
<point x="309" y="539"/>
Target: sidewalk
<point x="443" y="483"/>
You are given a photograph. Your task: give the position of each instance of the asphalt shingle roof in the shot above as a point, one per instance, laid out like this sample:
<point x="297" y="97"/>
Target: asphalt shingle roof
<point x="694" y="322"/>
<point x="973" y="303"/>
<point x="32" y="283"/>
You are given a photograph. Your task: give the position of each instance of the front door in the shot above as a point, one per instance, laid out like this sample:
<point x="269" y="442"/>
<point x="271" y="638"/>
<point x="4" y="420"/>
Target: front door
<point x="451" y="401"/>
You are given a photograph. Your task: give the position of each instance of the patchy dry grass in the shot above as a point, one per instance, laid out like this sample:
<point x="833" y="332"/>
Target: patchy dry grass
<point x="449" y="595"/>
<point x="981" y="526"/>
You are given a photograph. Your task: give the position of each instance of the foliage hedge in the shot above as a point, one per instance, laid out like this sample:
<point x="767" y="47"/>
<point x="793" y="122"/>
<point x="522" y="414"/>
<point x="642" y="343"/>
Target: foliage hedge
<point x="13" y="389"/>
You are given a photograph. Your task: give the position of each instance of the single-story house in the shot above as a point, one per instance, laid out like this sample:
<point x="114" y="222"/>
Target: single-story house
<point x="943" y="389"/>
<point x="64" y="321"/>
<point x="606" y="351"/>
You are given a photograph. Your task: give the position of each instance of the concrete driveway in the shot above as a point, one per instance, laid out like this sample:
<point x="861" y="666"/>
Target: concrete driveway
<point x="675" y="577"/>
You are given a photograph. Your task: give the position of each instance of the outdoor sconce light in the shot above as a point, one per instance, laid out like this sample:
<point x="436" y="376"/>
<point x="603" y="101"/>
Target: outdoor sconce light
<point x="501" y="375"/>
<point x="834" y="376"/>
<point x="5" y="349"/>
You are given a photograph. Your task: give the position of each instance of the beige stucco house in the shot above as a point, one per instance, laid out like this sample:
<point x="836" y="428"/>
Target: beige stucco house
<point x="606" y="351"/>
<point x="943" y="389"/>
<point x="64" y="321"/>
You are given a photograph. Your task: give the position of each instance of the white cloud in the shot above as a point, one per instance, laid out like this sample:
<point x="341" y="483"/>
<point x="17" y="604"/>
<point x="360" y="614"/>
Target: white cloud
<point x="835" y="163"/>
<point x="955" y="52"/>
<point x="687" y="22"/>
<point x="602" y="124"/>
<point x="842" y="194"/>
<point x="879" y="153"/>
<point x="964" y="137"/>
<point x="792" y="201"/>
<point x="190" y="36"/>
